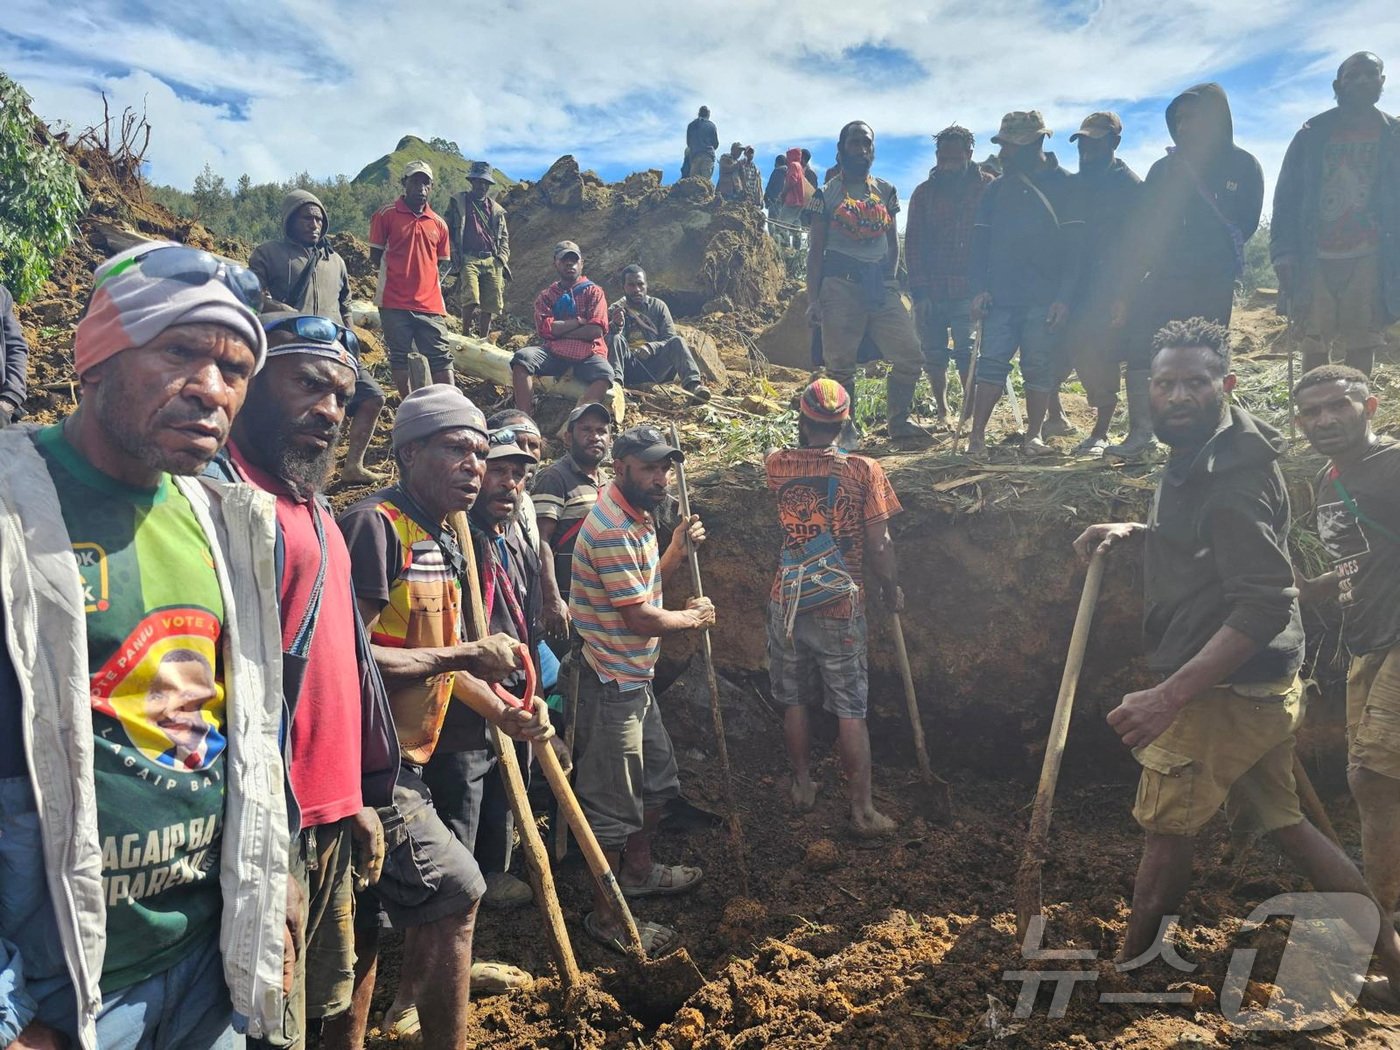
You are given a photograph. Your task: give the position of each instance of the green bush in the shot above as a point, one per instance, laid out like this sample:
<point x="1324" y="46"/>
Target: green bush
<point x="40" y="198"/>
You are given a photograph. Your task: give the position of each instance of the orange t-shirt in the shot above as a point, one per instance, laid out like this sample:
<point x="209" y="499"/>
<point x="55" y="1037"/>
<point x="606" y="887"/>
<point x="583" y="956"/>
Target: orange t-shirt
<point x="864" y="496"/>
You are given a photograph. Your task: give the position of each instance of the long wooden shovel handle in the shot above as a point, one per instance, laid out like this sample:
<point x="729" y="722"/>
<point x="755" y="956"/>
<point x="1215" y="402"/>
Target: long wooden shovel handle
<point x="1028" y="874"/>
<point x="916" y="721"/>
<point x="561" y="830"/>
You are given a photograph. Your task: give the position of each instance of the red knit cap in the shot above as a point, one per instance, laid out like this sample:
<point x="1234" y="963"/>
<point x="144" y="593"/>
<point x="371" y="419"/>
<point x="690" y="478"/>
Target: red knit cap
<point x="826" y="401"/>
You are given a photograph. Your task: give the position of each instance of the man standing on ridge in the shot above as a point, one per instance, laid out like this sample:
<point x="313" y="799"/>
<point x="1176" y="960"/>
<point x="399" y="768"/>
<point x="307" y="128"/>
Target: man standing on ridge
<point x="410" y="245"/>
<point x="1334" y="235"/>
<point x="701" y="142"/>
<point x="1185" y="247"/>
<point x="852" y="261"/>
<point x="302" y="272"/>
<point x="480" y="239"/>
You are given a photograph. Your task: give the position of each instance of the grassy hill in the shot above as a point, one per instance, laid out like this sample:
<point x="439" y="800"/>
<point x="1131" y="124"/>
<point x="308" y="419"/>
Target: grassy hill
<point x="449" y="166"/>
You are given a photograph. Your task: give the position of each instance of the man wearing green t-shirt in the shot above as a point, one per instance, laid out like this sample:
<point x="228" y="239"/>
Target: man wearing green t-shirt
<point x="143" y="650"/>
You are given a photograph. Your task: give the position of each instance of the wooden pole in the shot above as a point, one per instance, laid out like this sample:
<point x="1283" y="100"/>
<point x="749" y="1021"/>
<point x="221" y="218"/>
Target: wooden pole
<point x="736" y="831"/>
<point x="545" y="894"/>
<point x="911" y="701"/>
<point x="1028" y="901"/>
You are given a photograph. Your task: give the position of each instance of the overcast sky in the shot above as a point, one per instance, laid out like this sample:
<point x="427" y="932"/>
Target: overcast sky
<point x="276" y="87"/>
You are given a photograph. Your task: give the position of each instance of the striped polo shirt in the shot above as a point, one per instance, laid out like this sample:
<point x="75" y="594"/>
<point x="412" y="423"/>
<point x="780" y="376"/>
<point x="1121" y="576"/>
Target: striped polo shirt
<point x="615" y="565"/>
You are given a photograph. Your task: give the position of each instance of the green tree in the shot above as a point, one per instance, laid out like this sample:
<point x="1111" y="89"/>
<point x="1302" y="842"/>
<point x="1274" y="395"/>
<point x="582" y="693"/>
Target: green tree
<point x="40" y="197"/>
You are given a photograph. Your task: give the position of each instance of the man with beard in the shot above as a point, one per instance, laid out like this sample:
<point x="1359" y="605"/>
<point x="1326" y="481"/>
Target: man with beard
<point x="341" y="755"/>
<point x="851" y="265"/>
<point x="834" y="510"/>
<point x="1108" y="193"/>
<point x="626" y="767"/>
<point x="564" y="493"/>
<point x="1026" y="252"/>
<point x="407" y="572"/>
<point x="937" y="248"/>
<point x="1335" y="231"/>
<point x="1199" y="205"/>
<point x="302" y="273"/>
<point x="1357" y="496"/>
<point x="646" y="348"/>
<point x="113" y="555"/>
<point x="1222" y="627"/>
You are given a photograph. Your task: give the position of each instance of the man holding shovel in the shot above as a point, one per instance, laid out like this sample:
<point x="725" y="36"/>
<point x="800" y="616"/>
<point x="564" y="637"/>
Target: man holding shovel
<point x="1222" y="627"/>
<point x="835" y="510"/>
<point x="625" y="767"/>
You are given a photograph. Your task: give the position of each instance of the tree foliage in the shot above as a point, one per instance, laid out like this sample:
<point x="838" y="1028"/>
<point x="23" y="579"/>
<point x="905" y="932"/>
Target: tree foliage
<point x="40" y="197"/>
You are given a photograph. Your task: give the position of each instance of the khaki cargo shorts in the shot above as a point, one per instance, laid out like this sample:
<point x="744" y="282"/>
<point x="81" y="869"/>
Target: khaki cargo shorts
<point x="483" y="283"/>
<point x="1232" y="746"/>
<point x="1373" y="712"/>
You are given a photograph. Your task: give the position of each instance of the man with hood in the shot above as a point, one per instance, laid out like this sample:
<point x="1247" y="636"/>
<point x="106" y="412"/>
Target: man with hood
<point x="852" y="260"/>
<point x="300" y="271"/>
<point x="1108" y="193"/>
<point x="937" y="250"/>
<point x="1222" y="628"/>
<point x="1200" y="204"/>
<point x="795" y="195"/>
<point x="1026" y="253"/>
<point x="701" y="141"/>
<point x="480" y="238"/>
<point x="1335" y="232"/>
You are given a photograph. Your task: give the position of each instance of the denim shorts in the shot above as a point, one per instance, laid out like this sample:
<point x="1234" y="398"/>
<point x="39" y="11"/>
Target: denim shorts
<point x="537" y="361"/>
<point x="824" y="660"/>
<point x="1011" y="328"/>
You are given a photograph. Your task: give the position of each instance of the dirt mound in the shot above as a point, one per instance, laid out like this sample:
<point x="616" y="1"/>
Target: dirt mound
<point x="696" y="248"/>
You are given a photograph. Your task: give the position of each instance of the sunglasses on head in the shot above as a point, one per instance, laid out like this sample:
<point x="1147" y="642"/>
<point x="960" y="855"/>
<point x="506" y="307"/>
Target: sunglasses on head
<point x="193" y="266"/>
<point x="506" y="436"/>
<point x="318" y="330"/>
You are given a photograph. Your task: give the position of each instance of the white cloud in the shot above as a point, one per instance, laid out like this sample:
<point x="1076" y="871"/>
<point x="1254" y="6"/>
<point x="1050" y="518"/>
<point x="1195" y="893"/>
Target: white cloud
<point x="289" y="85"/>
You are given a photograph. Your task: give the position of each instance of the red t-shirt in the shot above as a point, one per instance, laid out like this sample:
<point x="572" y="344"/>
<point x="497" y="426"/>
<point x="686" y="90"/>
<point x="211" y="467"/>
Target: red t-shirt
<point x="325" y="738"/>
<point x="412" y="245"/>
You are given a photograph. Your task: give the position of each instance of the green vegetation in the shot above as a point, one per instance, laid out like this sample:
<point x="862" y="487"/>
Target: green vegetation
<point x="252" y="212"/>
<point x="40" y="198"/>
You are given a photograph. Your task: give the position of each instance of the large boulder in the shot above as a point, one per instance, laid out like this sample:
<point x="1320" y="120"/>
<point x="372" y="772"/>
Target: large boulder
<point x="694" y="247"/>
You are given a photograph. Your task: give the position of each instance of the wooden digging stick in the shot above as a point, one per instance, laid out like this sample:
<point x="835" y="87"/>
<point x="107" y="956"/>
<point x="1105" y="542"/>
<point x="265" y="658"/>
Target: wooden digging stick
<point x="1028" y="901"/>
<point x="561" y="830"/>
<point x="969" y="395"/>
<point x="560" y="945"/>
<point x="916" y="721"/>
<point x="1312" y="805"/>
<point x="736" y="832"/>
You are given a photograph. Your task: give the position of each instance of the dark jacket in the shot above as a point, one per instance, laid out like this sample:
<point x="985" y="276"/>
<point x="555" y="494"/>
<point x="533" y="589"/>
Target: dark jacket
<point x="1194" y="221"/>
<point x="458" y="209"/>
<point x="15" y="366"/>
<point x="279" y="265"/>
<point x="1293" y="227"/>
<point x="1021" y="253"/>
<point x="1217" y="554"/>
<point x="1109" y="198"/>
<point x="701" y="136"/>
<point x="773" y="192"/>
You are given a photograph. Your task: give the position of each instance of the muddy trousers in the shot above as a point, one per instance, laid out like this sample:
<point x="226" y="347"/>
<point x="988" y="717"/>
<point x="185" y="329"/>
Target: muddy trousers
<point x="847" y="318"/>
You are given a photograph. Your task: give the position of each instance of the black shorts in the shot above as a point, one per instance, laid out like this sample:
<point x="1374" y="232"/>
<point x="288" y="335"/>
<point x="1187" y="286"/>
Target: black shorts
<point x="428" y="874"/>
<point x="537" y="361"/>
<point x="366" y="389"/>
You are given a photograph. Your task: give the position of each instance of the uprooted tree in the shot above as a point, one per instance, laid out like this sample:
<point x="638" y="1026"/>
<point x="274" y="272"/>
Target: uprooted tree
<point x="40" y="198"/>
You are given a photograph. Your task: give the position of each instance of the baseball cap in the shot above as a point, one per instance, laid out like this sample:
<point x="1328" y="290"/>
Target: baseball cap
<point x="504" y="446"/>
<point x="825" y="401"/>
<point x="418" y="167"/>
<point x="647" y="444"/>
<point x="1099" y="125"/>
<point x="582" y="410"/>
<point x="564" y="247"/>
<point x="1021" y="128"/>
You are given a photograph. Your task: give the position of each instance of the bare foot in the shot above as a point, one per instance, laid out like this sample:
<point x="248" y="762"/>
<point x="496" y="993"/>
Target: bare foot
<point x="871" y="823"/>
<point x="356" y="474"/>
<point x="804" y="794"/>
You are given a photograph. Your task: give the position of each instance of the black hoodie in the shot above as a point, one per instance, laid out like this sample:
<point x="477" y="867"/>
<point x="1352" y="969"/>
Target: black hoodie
<point x="1182" y="230"/>
<point x="1217" y="553"/>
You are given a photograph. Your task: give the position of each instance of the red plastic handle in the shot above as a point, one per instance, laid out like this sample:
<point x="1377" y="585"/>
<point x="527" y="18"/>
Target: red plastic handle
<point x="531" y="682"/>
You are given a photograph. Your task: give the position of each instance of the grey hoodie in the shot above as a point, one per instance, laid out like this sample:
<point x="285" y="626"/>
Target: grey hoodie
<point x="279" y="265"/>
<point x="1217" y="553"/>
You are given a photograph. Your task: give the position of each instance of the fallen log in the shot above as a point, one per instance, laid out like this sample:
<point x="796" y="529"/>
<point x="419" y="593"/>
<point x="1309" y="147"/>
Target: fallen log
<point x="485" y="360"/>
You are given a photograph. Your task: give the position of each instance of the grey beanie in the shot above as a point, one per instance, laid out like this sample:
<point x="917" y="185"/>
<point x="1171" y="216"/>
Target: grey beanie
<point x="432" y="408"/>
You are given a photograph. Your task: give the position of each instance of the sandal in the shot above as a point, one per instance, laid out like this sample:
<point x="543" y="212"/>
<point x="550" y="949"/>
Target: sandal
<point x="497" y="978"/>
<point x="683" y="879"/>
<point x="657" y="940"/>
